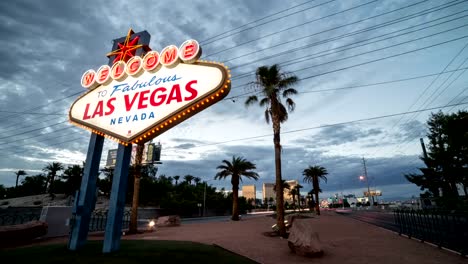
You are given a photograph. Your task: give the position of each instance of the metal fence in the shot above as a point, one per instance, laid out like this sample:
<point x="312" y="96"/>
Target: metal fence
<point x="442" y="228"/>
<point x="17" y="218"/>
<point x="98" y="221"/>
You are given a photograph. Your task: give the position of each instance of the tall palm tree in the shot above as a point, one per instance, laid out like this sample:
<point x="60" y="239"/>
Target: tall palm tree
<point x="274" y="86"/>
<point x="176" y="178"/>
<point x="52" y="169"/>
<point x="312" y="175"/>
<point x="236" y="168"/>
<point x="284" y="186"/>
<point x="18" y="174"/>
<point x="189" y="178"/>
<point x="293" y="194"/>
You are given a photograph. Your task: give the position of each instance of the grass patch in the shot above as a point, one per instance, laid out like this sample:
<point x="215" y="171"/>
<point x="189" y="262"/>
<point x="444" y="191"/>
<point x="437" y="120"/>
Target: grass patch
<point x="131" y="251"/>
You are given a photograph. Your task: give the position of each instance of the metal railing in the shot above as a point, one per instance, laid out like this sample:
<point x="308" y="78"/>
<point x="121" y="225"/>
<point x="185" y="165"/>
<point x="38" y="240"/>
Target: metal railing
<point x="18" y="218"/>
<point x="442" y="228"/>
<point x="98" y="221"/>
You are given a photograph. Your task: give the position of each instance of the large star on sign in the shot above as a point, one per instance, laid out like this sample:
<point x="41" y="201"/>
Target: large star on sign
<point x="127" y="49"/>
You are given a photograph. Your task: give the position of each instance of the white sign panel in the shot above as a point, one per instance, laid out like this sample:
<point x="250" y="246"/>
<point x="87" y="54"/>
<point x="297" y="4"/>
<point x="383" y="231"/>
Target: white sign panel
<point x="134" y="109"/>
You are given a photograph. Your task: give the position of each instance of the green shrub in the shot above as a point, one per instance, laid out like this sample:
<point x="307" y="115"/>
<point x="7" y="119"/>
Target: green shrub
<point x="37" y="202"/>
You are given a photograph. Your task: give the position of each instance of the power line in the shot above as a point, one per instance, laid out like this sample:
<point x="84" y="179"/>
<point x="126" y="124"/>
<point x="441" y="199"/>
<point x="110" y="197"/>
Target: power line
<point x="209" y="40"/>
<point x="40" y="106"/>
<point x="423" y="105"/>
<point x="29" y="113"/>
<point x="384" y="58"/>
<point x="289" y="28"/>
<point x="337" y="49"/>
<point x="348" y="34"/>
<point x="330" y="125"/>
<point x="362" y="85"/>
<point x="34" y="129"/>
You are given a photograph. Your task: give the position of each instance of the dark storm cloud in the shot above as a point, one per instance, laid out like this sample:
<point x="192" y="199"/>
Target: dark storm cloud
<point x="344" y="171"/>
<point x="413" y="129"/>
<point x="185" y="146"/>
<point x="337" y="135"/>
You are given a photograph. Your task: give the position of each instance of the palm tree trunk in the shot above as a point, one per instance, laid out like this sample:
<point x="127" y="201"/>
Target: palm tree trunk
<point x="279" y="194"/>
<point x="51" y="185"/>
<point x="316" y="191"/>
<point x="133" y="226"/>
<point x="17" y="177"/>
<point x="235" y="203"/>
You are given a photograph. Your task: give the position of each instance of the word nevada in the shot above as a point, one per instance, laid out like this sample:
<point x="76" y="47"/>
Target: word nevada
<point x="170" y="56"/>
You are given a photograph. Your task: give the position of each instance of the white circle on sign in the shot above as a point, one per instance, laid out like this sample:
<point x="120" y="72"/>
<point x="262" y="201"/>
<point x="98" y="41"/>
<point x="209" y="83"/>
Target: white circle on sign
<point x="169" y="56"/>
<point x="103" y="74"/>
<point x="189" y="51"/>
<point x="88" y="79"/>
<point x="134" y="66"/>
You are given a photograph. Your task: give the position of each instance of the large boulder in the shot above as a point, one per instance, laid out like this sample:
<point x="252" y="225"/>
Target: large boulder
<point x="14" y="234"/>
<point x="170" y="220"/>
<point x="303" y="240"/>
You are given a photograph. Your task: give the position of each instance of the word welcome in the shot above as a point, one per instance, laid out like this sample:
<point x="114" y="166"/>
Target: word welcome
<point x="188" y="52"/>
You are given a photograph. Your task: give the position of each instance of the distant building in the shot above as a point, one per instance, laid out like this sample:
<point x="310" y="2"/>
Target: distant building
<point x="268" y="191"/>
<point x="287" y="197"/>
<point x="249" y="192"/>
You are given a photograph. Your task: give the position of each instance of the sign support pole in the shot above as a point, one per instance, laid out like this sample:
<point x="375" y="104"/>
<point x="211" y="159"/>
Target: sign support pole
<point x="117" y="200"/>
<point x="87" y="194"/>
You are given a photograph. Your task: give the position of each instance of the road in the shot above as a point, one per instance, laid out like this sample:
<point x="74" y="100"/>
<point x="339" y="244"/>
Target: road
<point x="382" y="219"/>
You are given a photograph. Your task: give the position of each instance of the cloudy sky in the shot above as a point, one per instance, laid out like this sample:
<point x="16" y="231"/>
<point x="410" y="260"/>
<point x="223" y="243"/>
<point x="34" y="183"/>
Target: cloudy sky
<point x="360" y="62"/>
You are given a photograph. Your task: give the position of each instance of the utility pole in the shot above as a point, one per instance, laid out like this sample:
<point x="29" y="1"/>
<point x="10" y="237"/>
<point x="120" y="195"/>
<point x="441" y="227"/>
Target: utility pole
<point x="204" y="200"/>
<point x="423" y="147"/>
<point x="367" y="180"/>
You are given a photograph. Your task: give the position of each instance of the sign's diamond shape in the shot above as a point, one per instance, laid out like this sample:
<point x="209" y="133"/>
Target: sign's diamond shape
<point x="138" y="108"/>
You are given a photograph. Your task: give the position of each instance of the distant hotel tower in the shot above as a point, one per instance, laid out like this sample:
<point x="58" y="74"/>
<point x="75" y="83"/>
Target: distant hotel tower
<point x="249" y="192"/>
<point x="269" y="192"/>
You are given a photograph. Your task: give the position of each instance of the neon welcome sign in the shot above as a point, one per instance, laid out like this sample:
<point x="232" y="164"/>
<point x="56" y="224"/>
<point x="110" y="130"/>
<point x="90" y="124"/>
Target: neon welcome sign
<point x="139" y="98"/>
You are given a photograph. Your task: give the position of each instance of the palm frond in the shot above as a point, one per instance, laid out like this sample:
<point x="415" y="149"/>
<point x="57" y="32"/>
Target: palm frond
<point x="251" y="100"/>
<point x="288" y="92"/>
<point x="267" y="116"/>
<point x="290" y="104"/>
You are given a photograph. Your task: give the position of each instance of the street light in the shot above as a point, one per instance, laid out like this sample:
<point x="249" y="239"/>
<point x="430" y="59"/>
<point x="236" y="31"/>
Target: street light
<point x="361" y="178"/>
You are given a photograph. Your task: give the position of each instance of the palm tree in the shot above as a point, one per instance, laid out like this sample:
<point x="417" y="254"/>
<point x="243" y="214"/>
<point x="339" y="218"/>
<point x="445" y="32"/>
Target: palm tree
<point x="197" y="180"/>
<point x="312" y="175"/>
<point x="18" y="174"/>
<point x="236" y="168"/>
<point x="298" y="187"/>
<point x="275" y="85"/>
<point x="72" y="176"/>
<point x="52" y="169"/>
<point x="293" y="193"/>
<point x="284" y="186"/>
<point x="133" y="225"/>
<point x="189" y="178"/>
<point x="176" y="178"/>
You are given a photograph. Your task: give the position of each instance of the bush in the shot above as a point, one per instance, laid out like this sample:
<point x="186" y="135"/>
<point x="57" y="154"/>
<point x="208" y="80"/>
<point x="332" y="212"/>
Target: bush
<point x="37" y="202"/>
<point x="5" y="203"/>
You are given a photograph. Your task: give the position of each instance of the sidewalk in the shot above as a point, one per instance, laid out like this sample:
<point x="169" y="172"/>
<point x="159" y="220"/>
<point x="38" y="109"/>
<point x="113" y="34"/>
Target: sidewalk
<point x="344" y="240"/>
